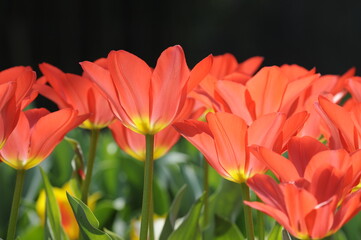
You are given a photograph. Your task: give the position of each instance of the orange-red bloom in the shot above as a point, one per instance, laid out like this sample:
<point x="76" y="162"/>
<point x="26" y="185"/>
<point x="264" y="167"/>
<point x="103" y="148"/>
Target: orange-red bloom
<point x="147" y="100"/>
<point x="77" y="92"/>
<point x="226" y="67"/>
<point x="134" y="143"/>
<point x="344" y="125"/>
<point x="270" y="90"/>
<point x="36" y="135"/>
<point x="310" y="159"/>
<point x="315" y="196"/>
<point x="24" y="78"/>
<point x="16" y="92"/>
<point x="299" y="211"/>
<point x="225" y="138"/>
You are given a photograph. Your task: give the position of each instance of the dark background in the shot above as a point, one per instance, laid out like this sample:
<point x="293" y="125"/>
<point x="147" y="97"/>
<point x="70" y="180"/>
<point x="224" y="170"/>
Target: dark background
<point x="321" y="34"/>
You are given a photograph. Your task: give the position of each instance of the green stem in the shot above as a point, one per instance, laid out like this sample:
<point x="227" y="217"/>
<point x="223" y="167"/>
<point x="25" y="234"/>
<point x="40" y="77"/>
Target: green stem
<point x="147" y="188"/>
<point x="151" y="218"/>
<point x="247" y="212"/>
<point x="89" y="170"/>
<point x="206" y="191"/>
<point x="20" y="175"/>
<point x="261" y="230"/>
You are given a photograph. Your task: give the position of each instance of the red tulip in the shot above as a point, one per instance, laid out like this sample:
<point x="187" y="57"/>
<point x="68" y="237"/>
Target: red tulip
<point x="343" y="125"/>
<point x="77" y="92"/>
<point x="147" y="100"/>
<point x="299" y="211"/>
<point x="134" y="143"/>
<point x="16" y="91"/>
<point x="225" y="138"/>
<point x="36" y="135"/>
<point x="24" y="78"/>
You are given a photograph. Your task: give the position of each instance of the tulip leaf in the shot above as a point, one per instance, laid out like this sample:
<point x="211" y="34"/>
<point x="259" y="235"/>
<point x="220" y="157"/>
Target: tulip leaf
<point x="225" y="230"/>
<point x="78" y="159"/>
<point x="172" y="214"/>
<point x="276" y="232"/>
<point x="226" y="202"/>
<point x="114" y="236"/>
<point x="36" y="232"/>
<point x="161" y="198"/>
<point x="88" y="224"/>
<point x="189" y="228"/>
<point x="53" y="226"/>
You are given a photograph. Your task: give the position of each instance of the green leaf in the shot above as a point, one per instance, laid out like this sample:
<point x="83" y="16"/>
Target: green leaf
<point x="172" y="214"/>
<point x="161" y="198"/>
<point x="276" y="232"/>
<point x="78" y="159"/>
<point x="226" y="202"/>
<point x="36" y="232"/>
<point x="114" y="236"/>
<point x="53" y="226"/>
<point x="88" y="224"/>
<point x="104" y="211"/>
<point x="225" y="230"/>
<point x="189" y="229"/>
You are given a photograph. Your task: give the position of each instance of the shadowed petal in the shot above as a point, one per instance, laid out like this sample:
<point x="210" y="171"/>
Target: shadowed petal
<point x="230" y="137"/>
<point x="267" y="88"/>
<point x="199" y="134"/>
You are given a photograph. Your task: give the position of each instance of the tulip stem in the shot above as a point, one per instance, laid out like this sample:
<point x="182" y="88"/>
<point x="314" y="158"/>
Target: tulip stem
<point x="206" y="191"/>
<point x="147" y="208"/>
<point x="151" y="219"/>
<point x="261" y="232"/>
<point x="247" y="212"/>
<point x="90" y="164"/>
<point x="20" y="175"/>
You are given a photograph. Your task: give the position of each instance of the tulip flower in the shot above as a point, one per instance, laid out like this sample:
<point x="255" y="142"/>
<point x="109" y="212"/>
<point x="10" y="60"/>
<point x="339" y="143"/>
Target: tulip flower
<point x="226" y="67"/>
<point x="224" y="142"/>
<point x="35" y="136"/>
<point x="16" y="91"/>
<point x="225" y="138"/>
<point x="344" y="126"/>
<point x="77" y="92"/>
<point x="270" y="90"/>
<point x="24" y="78"/>
<point x="299" y="211"/>
<point x="147" y="100"/>
<point x="134" y="143"/>
<point x="8" y="111"/>
<point x="316" y="195"/>
<point x="309" y="160"/>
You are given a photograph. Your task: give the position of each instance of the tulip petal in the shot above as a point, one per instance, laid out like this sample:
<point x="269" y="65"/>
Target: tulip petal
<point x="50" y="129"/>
<point x="15" y="151"/>
<point x="280" y="166"/>
<point x="199" y="134"/>
<point x="301" y="150"/>
<point x="131" y="79"/>
<point x="230" y="137"/>
<point x="168" y="86"/>
<point x="234" y="95"/>
<point x="342" y="121"/>
<point x="267" y="88"/>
